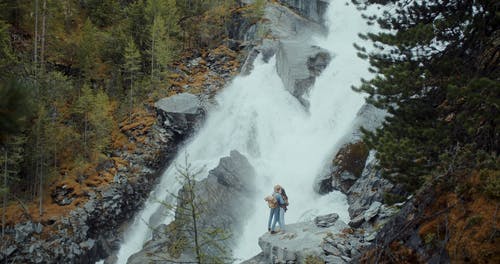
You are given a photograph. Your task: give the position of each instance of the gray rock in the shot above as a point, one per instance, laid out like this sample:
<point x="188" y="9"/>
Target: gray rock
<point x="345" y="169"/>
<point x="369" y="188"/>
<point x="38" y="228"/>
<point x="180" y="113"/>
<point x="333" y="259"/>
<point x="298" y="65"/>
<point x="372" y="211"/>
<point x="331" y="250"/>
<point x="9" y="250"/>
<point x="62" y="195"/>
<point x="300" y="240"/>
<point x="311" y="9"/>
<point x="326" y="220"/>
<point x="87" y="244"/>
<point x="357" y="221"/>
<point x="22" y="231"/>
<point x="227" y="196"/>
<point x="370" y="236"/>
<point x="346" y="259"/>
<point x="183" y="103"/>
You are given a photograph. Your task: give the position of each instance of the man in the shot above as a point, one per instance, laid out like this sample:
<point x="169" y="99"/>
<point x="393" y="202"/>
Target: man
<point x="277" y="214"/>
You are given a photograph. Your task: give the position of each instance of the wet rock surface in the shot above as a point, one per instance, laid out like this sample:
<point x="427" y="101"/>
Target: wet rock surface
<point x="227" y="196"/>
<point x="298" y="66"/>
<point x="299" y="241"/>
<point x="312" y="9"/>
<point x="287" y="34"/>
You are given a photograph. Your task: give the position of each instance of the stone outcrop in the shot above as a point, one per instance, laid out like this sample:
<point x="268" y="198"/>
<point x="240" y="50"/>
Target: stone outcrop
<point x="402" y="233"/>
<point x="90" y="231"/>
<point x="345" y="169"/>
<point x="300" y="241"/>
<point x="350" y="158"/>
<point x="225" y="196"/>
<point x="344" y="245"/>
<point x="287" y="33"/>
<point x="325" y="239"/>
<point x="298" y="66"/>
<point x="179" y="113"/>
<point x="311" y="9"/>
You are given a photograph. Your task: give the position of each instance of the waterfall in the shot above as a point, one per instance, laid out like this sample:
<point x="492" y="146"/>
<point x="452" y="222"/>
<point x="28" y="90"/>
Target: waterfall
<point x="284" y="142"/>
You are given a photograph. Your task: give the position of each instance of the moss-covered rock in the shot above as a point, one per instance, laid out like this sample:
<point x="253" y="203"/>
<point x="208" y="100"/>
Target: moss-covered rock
<point x="347" y="167"/>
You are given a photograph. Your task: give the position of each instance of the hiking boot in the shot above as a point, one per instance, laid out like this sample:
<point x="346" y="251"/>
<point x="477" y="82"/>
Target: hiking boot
<point x="269" y="230"/>
<point x="273" y="232"/>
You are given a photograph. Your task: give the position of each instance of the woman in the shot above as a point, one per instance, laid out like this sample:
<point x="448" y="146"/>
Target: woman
<point x="283" y="207"/>
<point x="279" y="212"/>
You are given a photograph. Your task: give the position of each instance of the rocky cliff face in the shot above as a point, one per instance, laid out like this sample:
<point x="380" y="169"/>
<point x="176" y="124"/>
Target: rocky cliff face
<point x="285" y="32"/>
<point x="90" y="231"/>
<point x="225" y="197"/>
<point x="311" y="9"/>
<point x="344" y="244"/>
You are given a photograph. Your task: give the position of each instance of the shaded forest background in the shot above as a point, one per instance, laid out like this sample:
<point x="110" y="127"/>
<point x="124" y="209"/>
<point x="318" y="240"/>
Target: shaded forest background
<point x="72" y="72"/>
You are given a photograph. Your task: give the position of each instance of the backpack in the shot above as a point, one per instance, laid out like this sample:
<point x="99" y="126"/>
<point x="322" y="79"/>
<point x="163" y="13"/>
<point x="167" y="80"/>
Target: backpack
<point x="271" y="201"/>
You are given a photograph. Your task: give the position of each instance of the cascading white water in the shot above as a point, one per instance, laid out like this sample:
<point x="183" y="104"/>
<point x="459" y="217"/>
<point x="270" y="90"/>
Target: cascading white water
<point x="285" y="143"/>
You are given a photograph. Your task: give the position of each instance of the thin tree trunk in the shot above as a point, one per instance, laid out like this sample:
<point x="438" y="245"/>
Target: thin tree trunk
<point x="41" y="186"/>
<point x="85" y="134"/>
<point x="40" y="166"/>
<point x="4" y="208"/>
<point x="35" y="51"/>
<point x="195" y="224"/>
<point x="131" y="97"/>
<point x="152" y="56"/>
<point x="44" y="26"/>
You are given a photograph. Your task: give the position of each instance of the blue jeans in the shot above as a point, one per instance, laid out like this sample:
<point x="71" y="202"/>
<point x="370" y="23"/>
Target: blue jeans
<point x="279" y="218"/>
<point x="273" y="215"/>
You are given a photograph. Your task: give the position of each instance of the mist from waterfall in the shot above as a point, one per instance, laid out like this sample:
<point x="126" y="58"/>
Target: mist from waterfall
<point x="284" y="142"/>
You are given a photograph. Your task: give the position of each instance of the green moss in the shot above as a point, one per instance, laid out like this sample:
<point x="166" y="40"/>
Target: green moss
<point x="314" y="260"/>
<point x="391" y="198"/>
<point x="490" y="180"/>
<point x="352" y="158"/>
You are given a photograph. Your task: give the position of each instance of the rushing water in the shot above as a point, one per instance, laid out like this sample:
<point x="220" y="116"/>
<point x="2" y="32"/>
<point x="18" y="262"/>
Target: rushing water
<point x="285" y="143"/>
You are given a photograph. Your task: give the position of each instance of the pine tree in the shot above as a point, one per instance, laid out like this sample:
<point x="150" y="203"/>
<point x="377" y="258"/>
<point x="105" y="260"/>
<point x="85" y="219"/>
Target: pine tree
<point x="88" y="50"/>
<point x="432" y="68"/>
<point x="187" y="232"/>
<point x="163" y="31"/>
<point x="131" y="68"/>
<point x="6" y="53"/>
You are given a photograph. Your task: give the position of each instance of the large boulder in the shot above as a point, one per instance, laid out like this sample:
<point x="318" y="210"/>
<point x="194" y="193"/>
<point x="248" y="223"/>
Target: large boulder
<point x="225" y="197"/>
<point x="350" y="158"/>
<point x="300" y="241"/>
<point x="345" y="169"/>
<point x="368" y="189"/>
<point x="322" y="240"/>
<point x="299" y="65"/>
<point x="179" y="113"/>
<point x="280" y="23"/>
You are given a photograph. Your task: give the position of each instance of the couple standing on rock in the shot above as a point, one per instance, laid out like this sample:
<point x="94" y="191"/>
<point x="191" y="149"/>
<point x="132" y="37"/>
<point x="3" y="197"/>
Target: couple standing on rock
<point x="277" y="203"/>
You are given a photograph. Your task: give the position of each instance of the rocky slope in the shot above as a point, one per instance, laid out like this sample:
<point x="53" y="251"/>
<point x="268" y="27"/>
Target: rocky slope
<point x="92" y="228"/>
<point x="223" y="197"/>
<point x="89" y="232"/>
<point x="91" y="220"/>
<point x="284" y="32"/>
